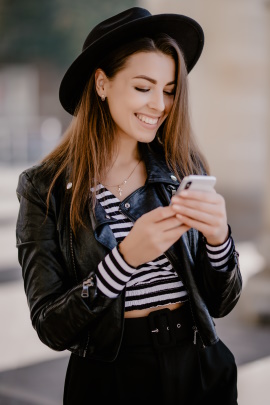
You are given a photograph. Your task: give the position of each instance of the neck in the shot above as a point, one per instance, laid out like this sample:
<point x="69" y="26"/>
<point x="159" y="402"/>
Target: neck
<point x="127" y="152"/>
<point x="125" y="165"/>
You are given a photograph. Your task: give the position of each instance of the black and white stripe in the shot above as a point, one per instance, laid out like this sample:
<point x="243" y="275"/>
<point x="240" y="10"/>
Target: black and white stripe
<point x="219" y="255"/>
<point x="152" y="284"/>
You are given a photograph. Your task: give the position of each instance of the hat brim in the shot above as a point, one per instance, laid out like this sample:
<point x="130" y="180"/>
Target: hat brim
<point x="186" y="31"/>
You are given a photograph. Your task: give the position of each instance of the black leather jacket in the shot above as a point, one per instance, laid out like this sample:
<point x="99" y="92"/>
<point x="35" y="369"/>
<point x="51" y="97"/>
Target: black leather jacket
<point x="58" y="269"/>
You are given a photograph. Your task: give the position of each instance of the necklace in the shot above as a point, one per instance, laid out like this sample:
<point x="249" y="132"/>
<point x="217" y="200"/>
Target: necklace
<point x="120" y="190"/>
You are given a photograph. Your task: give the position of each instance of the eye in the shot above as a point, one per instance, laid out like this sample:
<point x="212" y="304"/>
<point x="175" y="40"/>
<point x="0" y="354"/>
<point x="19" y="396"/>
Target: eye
<point x="142" y="90"/>
<point x="169" y="93"/>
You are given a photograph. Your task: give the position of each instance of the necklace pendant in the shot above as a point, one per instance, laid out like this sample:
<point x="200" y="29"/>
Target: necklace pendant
<point x="120" y="191"/>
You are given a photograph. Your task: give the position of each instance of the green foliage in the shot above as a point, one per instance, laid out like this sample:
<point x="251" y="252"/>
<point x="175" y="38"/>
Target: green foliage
<point x="51" y="31"/>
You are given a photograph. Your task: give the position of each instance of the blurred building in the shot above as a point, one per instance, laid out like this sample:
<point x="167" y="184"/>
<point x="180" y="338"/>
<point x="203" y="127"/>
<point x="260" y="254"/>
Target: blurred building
<point x="25" y="134"/>
<point x="38" y="42"/>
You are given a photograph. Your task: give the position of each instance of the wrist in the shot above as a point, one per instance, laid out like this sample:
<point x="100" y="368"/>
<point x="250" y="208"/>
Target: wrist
<point x="125" y="252"/>
<point x="220" y="239"/>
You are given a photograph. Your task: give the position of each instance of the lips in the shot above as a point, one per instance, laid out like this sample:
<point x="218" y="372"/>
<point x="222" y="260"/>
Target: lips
<point x="147" y="120"/>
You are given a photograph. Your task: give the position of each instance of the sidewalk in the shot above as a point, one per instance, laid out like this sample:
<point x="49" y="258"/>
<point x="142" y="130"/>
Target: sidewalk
<point x="253" y="383"/>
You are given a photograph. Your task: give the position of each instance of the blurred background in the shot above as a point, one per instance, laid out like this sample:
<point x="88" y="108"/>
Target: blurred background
<point x="230" y="98"/>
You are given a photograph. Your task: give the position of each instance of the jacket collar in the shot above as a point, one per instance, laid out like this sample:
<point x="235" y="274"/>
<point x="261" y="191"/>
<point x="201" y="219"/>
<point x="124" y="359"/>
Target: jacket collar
<point x="157" y="172"/>
<point x="156" y="167"/>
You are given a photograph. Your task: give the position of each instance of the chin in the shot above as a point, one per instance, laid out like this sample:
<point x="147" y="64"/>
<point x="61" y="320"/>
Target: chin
<point x="146" y="139"/>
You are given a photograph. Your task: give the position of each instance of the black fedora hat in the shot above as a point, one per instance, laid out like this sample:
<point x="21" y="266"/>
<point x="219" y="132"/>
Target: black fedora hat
<point x="130" y="24"/>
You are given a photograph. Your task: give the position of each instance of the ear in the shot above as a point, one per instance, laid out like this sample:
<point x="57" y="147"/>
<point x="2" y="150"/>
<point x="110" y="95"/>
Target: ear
<point x="101" y="81"/>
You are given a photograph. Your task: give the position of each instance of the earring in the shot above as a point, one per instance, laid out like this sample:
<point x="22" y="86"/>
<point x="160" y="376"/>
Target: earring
<point x="102" y="97"/>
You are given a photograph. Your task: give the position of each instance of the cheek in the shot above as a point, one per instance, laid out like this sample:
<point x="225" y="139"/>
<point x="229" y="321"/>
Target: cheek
<point x="120" y="111"/>
<point x="115" y="104"/>
<point x="123" y="100"/>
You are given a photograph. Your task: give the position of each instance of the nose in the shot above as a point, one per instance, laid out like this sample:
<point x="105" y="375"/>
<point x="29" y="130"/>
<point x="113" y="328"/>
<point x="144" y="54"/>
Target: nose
<point x="157" y="101"/>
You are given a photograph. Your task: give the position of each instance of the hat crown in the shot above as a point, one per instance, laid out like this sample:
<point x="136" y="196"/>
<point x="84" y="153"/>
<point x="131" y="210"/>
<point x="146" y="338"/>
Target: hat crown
<point x="112" y="23"/>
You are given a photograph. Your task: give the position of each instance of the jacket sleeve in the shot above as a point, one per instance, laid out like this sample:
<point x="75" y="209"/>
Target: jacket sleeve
<point x="220" y="289"/>
<point x="52" y="297"/>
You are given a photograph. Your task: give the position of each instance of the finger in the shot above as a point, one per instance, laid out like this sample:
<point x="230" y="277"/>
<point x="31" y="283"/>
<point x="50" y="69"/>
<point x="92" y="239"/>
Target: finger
<point x="167" y="224"/>
<point x="160" y="214"/>
<point x="199" y="216"/>
<point x="207" y="196"/>
<point x="203" y="213"/>
<point x="174" y="234"/>
<point x="203" y="227"/>
<point x="213" y="200"/>
<point x="214" y="205"/>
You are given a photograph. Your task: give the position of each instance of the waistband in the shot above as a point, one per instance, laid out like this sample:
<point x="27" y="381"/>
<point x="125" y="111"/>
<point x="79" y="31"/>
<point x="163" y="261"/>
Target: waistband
<point x="161" y="328"/>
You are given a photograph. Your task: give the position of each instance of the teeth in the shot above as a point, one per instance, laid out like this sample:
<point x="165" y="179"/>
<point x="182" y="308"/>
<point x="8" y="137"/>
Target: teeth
<point x="148" y="120"/>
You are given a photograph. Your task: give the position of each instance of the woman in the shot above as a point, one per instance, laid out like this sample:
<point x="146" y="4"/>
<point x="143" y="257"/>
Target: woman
<point x="117" y="269"/>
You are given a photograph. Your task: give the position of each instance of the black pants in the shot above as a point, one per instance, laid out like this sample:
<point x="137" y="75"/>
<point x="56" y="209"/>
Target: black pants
<point x="158" y="364"/>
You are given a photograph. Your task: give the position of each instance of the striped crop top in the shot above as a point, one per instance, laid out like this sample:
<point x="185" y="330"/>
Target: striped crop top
<point x="151" y="284"/>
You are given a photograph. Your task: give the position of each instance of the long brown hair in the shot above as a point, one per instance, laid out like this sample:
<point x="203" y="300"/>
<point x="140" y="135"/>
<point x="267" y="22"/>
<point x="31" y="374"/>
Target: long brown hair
<point x="89" y="143"/>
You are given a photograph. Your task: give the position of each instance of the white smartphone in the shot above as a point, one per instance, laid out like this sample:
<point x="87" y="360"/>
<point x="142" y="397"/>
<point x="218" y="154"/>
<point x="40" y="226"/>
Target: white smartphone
<point x="197" y="182"/>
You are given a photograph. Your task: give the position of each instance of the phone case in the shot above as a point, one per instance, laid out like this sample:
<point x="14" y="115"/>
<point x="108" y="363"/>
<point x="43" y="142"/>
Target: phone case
<point x="197" y="182"/>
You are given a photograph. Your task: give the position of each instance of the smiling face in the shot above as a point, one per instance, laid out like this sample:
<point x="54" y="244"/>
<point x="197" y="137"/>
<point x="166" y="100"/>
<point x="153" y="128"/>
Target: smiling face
<point x="140" y="96"/>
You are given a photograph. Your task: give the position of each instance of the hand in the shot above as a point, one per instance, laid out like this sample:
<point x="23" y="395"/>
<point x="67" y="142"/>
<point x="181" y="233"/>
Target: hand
<point x="152" y="234"/>
<point x="204" y="211"/>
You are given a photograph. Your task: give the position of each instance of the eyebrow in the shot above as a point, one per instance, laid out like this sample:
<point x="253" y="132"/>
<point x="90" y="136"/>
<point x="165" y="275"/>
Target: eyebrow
<point x="151" y="80"/>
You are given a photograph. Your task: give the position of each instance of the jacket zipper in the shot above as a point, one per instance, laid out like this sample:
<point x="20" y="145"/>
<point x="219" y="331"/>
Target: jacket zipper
<point x="196" y="330"/>
<point x="72" y="253"/>
<point x="84" y="294"/>
<point x="195" y="334"/>
<point x="85" y="287"/>
<point x="86" y="346"/>
<point x="85" y="284"/>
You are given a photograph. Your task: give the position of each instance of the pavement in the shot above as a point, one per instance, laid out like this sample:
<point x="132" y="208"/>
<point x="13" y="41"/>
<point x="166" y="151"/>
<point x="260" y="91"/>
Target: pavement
<point x="33" y="374"/>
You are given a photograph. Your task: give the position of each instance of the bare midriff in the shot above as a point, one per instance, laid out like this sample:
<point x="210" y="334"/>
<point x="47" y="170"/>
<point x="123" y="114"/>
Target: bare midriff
<point x="139" y="313"/>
